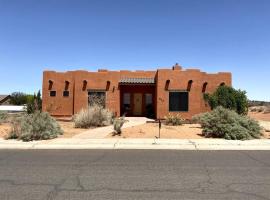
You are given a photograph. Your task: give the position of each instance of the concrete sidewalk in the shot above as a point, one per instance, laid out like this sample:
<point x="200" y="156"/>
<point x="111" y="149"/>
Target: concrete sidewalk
<point x="177" y="144"/>
<point x="102" y="132"/>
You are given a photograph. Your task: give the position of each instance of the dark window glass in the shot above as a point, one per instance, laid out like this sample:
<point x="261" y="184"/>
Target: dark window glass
<point x="96" y="97"/>
<point x="52" y="93"/>
<point x="66" y="93"/>
<point x="178" y="101"/>
<point x="126" y="102"/>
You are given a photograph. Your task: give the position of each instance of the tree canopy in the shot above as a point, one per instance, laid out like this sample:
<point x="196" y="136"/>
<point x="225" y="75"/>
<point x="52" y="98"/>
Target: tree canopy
<point x="230" y="98"/>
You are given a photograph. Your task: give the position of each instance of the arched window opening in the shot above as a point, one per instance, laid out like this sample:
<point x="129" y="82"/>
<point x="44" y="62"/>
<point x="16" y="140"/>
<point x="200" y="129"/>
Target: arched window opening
<point x="204" y="87"/>
<point x="66" y="85"/>
<point x="108" y="85"/>
<point x="222" y="84"/>
<point x="189" y="85"/>
<point x="167" y="85"/>
<point x="84" y="85"/>
<point x="50" y="84"/>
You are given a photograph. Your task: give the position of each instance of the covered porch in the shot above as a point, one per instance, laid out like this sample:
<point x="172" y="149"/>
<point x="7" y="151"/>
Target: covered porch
<point x="138" y="97"/>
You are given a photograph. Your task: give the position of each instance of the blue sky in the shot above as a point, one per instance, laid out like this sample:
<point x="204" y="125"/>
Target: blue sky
<point x="213" y="35"/>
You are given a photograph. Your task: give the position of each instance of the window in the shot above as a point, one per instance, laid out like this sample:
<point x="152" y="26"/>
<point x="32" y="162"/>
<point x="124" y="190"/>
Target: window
<point x="52" y="93"/>
<point x="178" y="101"/>
<point x="96" y="97"/>
<point x="148" y="99"/>
<point x="149" y="109"/>
<point x="126" y="101"/>
<point x="65" y="93"/>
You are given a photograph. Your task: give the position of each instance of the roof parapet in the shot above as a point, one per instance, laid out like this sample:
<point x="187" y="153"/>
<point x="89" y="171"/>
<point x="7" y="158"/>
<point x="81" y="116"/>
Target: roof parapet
<point x="177" y="67"/>
<point x="102" y="70"/>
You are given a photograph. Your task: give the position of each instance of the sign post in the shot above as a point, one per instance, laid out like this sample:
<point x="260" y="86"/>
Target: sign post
<point x="159" y="127"/>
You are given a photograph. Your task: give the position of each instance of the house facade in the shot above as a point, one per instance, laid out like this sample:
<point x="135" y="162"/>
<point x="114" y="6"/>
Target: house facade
<point x="132" y="93"/>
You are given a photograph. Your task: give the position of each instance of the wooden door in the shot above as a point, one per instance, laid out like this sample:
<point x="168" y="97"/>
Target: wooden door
<point x="137" y="109"/>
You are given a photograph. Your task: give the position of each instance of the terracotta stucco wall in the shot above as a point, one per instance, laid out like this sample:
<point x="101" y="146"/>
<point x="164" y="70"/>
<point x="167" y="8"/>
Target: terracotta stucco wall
<point x="78" y="95"/>
<point x="178" y="81"/>
<point x="57" y="105"/>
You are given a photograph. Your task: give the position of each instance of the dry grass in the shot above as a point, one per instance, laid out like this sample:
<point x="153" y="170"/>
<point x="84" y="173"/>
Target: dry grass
<point x="150" y="130"/>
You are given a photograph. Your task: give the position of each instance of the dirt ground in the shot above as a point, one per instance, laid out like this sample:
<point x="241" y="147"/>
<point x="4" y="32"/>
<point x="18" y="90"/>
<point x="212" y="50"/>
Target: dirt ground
<point x="67" y="127"/>
<point x="259" y="116"/>
<point x="264" y="120"/>
<point x="69" y="130"/>
<point x="4" y="129"/>
<point x="150" y="130"/>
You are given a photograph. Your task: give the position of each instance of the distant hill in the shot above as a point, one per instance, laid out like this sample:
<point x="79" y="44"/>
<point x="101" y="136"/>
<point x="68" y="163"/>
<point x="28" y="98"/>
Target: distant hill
<point x="258" y="103"/>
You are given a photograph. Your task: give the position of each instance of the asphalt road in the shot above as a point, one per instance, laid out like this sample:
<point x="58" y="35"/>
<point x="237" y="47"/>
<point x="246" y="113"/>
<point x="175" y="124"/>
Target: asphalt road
<point x="134" y="174"/>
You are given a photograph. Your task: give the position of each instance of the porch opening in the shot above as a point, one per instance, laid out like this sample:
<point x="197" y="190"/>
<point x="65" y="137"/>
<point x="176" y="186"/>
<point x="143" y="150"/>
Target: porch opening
<point x="137" y="99"/>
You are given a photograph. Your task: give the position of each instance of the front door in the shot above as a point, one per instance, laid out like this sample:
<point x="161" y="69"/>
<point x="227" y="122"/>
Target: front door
<point x="137" y="109"/>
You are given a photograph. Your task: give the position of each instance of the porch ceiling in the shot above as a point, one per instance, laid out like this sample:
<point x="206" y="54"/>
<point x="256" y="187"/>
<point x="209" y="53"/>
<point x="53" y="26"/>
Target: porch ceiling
<point x="137" y="81"/>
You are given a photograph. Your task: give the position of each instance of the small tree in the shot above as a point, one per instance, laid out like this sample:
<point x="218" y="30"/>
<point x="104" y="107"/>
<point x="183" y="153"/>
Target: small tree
<point x="230" y="98"/>
<point x="34" y="103"/>
<point x="18" y="98"/>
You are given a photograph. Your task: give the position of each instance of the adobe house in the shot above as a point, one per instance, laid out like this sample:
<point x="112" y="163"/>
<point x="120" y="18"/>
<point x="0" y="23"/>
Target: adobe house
<point x="133" y="93"/>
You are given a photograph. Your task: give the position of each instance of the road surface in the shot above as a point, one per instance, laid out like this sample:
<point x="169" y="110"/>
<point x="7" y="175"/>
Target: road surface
<point x="134" y="174"/>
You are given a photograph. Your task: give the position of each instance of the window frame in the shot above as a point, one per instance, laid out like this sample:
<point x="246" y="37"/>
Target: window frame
<point x="94" y="90"/>
<point x="66" y="96"/>
<point x="52" y="91"/>
<point x="178" y="91"/>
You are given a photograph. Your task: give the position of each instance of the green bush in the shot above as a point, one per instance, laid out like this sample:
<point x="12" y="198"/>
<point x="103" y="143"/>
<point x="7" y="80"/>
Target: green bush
<point x="230" y="98"/>
<point x="117" y="125"/>
<point x="92" y="117"/>
<point x="36" y="126"/>
<point x="3" y="116"/>
<point x="34" y="103"/>
<point x="224" y="123"/>
<point x="173" y="120"/>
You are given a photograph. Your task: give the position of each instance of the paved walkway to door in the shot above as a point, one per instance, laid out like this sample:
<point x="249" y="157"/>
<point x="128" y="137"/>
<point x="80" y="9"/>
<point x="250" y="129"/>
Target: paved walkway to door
<point x="102" y="132"/>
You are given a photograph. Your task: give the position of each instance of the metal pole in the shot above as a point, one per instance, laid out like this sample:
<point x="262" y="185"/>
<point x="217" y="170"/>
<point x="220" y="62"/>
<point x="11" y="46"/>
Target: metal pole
<point x="159" y="127"/>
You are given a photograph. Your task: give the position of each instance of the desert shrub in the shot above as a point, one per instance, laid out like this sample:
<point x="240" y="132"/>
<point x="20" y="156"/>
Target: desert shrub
<point x="266" y="110"/>
<point x="260" y="109"/>
<point x="253" y="109"/>
<point x="36" y="126"/>
<point x="117" y="124"/>
<point x="92" y="117"/>
<point x="230" y="98"/>
<point x="224" y="123"/>
<point x="3" y="116"/>
<point x="174" y="120"/>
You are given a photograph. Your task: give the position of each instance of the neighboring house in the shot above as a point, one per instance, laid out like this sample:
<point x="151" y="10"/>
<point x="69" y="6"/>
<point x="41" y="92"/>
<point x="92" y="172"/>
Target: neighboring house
<point x="5" y="99"/>
<point x="133" y="93"/>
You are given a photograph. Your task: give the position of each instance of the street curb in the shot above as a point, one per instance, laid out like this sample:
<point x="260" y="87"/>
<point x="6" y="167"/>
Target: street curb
<point x="169" y="144"/>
